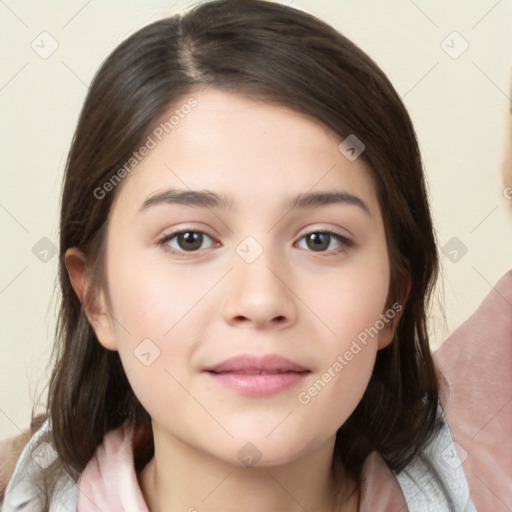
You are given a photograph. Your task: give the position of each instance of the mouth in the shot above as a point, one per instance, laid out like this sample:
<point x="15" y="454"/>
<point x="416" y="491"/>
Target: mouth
<point x="254" y="372"/>
<point x="257" y="376"/>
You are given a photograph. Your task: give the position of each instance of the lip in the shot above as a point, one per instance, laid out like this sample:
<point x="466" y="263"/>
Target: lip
<point x="257" y="375"/>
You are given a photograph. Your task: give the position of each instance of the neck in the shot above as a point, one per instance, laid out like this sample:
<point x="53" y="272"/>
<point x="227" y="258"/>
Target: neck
<point x="182" y="478"/>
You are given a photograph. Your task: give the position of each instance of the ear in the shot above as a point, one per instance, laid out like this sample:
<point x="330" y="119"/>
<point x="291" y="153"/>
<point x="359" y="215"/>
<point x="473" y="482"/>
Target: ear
<point x="95" y="308"/>
<point x="394" y="311"/>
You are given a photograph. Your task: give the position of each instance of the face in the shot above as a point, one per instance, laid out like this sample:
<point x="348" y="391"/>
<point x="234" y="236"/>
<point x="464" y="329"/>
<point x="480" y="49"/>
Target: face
<point x="281" y="264"/>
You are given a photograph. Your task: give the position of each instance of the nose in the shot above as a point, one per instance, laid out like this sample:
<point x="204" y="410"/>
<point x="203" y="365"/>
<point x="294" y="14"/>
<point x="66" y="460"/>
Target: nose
<point x="260" y="295"/>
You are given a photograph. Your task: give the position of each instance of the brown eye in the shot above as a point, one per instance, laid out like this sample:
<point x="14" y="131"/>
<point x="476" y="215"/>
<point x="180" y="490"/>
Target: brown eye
<point x="186" y="241"/>
<point x="189" y="241"/>
<point x="321" y="241"/>
<point x="318" y="241"/>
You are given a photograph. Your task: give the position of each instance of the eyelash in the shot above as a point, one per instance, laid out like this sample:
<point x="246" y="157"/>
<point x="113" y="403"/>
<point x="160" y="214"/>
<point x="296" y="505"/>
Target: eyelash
<point x="346" y="243"/>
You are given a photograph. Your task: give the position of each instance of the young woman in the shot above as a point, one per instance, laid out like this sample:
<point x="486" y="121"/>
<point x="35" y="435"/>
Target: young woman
<point x="246" y="258"/>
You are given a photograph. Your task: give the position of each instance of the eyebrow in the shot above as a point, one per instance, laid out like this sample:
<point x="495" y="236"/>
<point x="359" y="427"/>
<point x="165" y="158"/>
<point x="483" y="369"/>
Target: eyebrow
<point x="209" y="199"/>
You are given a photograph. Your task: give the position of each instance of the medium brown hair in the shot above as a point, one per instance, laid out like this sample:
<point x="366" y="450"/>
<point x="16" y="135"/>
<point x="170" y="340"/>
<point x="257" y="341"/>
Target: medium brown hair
<point x="278" y="54"/>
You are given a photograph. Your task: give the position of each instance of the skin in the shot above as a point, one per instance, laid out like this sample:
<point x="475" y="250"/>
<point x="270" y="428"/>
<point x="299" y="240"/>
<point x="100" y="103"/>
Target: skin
<point x="201" y="307"/>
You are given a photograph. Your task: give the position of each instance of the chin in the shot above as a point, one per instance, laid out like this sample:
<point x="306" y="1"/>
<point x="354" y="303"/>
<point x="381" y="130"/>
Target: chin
<point x="260" y="455"/>
<point x="275" y="450"/>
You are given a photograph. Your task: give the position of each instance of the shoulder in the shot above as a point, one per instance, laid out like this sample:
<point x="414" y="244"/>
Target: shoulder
<point x="432" y="481"/>
<point x="10" y="451"/>
<point x="23" y="491"/>
<point x="435" y="480"/>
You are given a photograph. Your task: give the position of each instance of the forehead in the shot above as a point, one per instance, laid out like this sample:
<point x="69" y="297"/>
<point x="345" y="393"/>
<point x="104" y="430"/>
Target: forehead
<point x="249" y="150"/>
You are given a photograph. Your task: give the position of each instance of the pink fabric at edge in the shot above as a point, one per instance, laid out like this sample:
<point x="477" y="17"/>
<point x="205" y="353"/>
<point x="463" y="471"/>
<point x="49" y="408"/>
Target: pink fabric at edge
<point x="109" y="481"/>
<point x="476" y="361"/>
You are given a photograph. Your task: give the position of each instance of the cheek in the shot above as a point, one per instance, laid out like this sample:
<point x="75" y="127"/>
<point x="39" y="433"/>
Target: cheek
<point x="158" y="312"/>
<point x="355" y="299"/>
<point x="348" y="357"/>
<point x="353" y="311"/>
<point x="150" y="299"/>
<point x="331" y="397"/>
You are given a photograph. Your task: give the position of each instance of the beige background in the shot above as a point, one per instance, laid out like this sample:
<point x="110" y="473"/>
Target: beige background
<point x="458" y="106"/>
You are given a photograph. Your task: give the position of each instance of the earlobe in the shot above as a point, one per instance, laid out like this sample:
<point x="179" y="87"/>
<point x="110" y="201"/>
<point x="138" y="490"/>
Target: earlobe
<point x="94" y="307"/>
<point x="394" y="311"/>
<point x="387" y="334"/>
